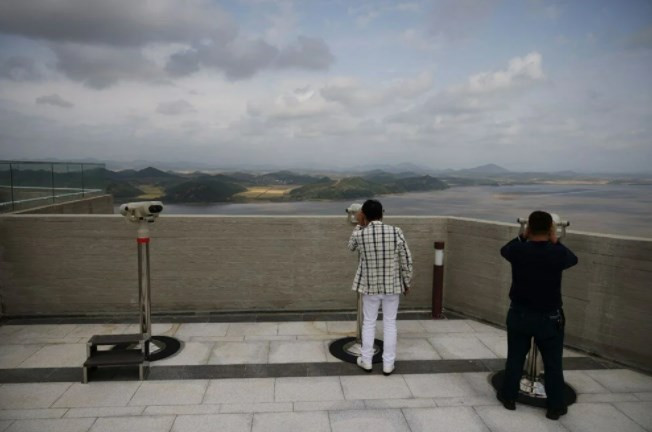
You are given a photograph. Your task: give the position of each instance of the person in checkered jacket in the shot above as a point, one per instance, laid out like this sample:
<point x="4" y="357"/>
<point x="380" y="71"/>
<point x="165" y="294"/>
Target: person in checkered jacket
<point x="384" y="272"/>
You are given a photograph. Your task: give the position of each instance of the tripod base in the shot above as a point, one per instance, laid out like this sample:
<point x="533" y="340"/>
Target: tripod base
<point x="348" y="349"/>
<point x="535" y="398"/>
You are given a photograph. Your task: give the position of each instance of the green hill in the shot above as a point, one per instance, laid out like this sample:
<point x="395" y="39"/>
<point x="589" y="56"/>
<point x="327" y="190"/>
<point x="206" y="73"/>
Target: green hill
<point x="123" y="190"/>
<point x="202" y="190"/>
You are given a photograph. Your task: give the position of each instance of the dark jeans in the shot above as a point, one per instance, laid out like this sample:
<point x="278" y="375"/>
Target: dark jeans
<point x="522" y="326"/>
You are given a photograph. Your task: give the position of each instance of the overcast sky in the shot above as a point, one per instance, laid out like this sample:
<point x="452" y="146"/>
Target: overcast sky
<point x="526" y="84"/>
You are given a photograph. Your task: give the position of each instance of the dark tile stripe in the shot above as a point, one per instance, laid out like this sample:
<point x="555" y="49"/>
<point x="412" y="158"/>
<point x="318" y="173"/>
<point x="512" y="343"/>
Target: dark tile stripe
<point x="215" y="317"/>
<point x="41" y="375"/>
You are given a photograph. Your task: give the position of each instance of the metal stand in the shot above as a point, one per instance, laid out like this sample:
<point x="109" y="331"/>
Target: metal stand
<point x="350" y="348"/>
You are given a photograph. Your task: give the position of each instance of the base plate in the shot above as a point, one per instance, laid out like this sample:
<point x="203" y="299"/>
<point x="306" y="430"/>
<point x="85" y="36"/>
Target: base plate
<point x="570" y="397"/>
<point x="345" y="348"/>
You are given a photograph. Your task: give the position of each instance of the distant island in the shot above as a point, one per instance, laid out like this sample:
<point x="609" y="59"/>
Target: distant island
<point x="280" y="186"/>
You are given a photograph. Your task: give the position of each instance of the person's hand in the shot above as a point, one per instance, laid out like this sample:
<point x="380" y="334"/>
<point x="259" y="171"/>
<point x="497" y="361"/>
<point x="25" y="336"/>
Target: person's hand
<point x="526" y="234"/>
<point x="362" y="220"/>
<point x="553" y="235"/>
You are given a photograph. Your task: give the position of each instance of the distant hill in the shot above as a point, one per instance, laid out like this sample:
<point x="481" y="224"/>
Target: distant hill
<point x="290" y="178"/>
<point x="358" y="187"/>
<point x="202" y="190"/>
<point x="123" y="190"/>
<point x="489" y="169"/>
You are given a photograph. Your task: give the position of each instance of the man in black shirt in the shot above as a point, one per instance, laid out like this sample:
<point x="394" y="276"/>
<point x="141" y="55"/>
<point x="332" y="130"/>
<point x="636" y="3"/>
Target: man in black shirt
<point x="538" y="259"/>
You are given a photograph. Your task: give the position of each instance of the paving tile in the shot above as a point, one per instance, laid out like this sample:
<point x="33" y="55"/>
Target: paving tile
<point x="191" y="353"/>
<point x="375" y="387"/>
<point x="13" y="355"/>
<point x="19" y="414"/>
<point x="6" y="330"/>
<point x="471" y="401"/>
<point x="336" y="405"/>
<point x="271" y="338"/>
<point x="399" y="403"/>
<point x="52" y="425"/>
<point x="479" y="382"/>
<point x="302" y="328"/>
<point x="131" y="424"/>
<point x="29" y="396"/>
<point x="296" y="352"/>
<point x="97" y="394"/>
<point x="247" y="390"/>
<point x="446" y="326"/>
<point x="484" y="328"/>
<point x="308" y="389"/>
<point x="216" y="338"/>
<point x="43" y="331"/>
<point x="158" y="329"/>
<point x="252" y="329"/>
<point x="186" y="392"/>
<point x="213" y="422"/>
<point x="497" y="343"/>
<point x="239" y="353"/>
<point x="415" y="349"/>
<point x="640" y="412"/>
<point x="439" y="385"/>
<point x="342" y="328"/>
<point x="525" y="418"/>
<point x="57" y="355"/>
<point x="188" y="330"/>
<point x="582" y="382"/>
<point x="377" y="420"/>
<point x="644" y="396"/>
<point x="182" y="409"/>
<point x="88" y="330"/>
<point x="453" y="347"/>
<point x="606" y="397"/>
<point x="263" y="407"/>
<point x="4" y="424"/>
<point x="402" y="327"/>
<point x="622" y="380"/>
<point x="104" y="412"/>
<point x="291" y="422"/>
<point x="597" y="417"/>
<point x="458" y="419"/>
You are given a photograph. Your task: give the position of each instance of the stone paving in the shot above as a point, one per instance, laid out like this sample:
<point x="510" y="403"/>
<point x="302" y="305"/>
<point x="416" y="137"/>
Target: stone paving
<point x="608" y="399"/>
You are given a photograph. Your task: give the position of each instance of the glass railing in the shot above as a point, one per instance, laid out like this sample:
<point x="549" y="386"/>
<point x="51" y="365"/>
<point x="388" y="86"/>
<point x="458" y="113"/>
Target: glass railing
<point x="25" y="185"/>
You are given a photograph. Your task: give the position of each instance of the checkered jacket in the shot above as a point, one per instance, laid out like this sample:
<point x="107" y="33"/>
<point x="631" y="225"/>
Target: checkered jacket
<point x="385" y="265"/>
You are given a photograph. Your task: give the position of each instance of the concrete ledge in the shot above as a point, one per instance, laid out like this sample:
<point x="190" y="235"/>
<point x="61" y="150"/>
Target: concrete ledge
<point x="93" y="205"/>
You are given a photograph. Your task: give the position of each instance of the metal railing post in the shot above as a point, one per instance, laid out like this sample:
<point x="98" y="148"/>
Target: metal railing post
<point x="11" y="186"/>
<point x="52" y="180"/>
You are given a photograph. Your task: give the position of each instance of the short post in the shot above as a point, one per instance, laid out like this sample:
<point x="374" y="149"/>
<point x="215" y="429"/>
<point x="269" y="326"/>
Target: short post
<point x="438" y="281"/>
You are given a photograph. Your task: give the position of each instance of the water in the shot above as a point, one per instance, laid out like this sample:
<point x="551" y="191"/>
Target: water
<point x="611" y="209"/>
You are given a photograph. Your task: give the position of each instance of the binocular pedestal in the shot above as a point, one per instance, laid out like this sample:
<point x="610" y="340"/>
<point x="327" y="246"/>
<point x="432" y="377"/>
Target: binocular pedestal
<point x="348" y="349"/>
<point x="532" y="389"/>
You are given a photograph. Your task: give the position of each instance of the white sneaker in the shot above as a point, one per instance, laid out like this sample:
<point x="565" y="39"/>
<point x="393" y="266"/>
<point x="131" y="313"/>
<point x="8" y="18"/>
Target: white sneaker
<point x="388" y="369"/>
<point x="364" y="366"/>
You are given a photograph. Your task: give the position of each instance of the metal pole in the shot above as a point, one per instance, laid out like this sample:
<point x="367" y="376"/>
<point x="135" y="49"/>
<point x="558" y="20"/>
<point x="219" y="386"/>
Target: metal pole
<point x="438" y="281"/>
<point x="144" y="284"/>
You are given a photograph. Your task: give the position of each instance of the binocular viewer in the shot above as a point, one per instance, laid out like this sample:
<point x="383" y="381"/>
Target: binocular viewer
<point x="141" y="211"/>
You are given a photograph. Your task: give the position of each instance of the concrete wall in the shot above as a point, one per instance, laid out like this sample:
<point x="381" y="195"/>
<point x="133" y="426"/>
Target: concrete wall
<point x="94" y="205"/>
<point x="607" y="296"/>
<point x="88" y="264"/>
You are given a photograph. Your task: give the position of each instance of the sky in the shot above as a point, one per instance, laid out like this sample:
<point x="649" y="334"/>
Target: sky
<point x="531" y="85"/>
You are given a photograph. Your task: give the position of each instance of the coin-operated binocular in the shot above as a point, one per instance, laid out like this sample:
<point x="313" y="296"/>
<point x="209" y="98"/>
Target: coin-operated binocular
<point x="352" y="212"/>
<point x="560" y="225"/>
<point x="143" y="213"/>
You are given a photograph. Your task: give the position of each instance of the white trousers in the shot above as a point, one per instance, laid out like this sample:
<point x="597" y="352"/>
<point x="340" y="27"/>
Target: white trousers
<point x="370" y="306"/>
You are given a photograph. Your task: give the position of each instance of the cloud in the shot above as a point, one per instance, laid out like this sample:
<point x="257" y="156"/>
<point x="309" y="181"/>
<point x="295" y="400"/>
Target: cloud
<point x="54" y="100"/>
<point x="520" y="70"/>
<point x="305" y="53"/>
<point x="19" y="68"/>
<point x="175" y="107"/>
<point x="116" y="22"/>
<point x="100" y="67"/>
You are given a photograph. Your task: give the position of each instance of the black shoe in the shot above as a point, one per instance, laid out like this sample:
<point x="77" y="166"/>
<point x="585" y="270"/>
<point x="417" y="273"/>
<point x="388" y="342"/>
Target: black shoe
<point x="555" y="413"/>
<point x="508" y="404"/>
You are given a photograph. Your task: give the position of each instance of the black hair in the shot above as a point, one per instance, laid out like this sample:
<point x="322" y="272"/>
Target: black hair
<point x="539" y="222"/>
<point x="372" y="209"/>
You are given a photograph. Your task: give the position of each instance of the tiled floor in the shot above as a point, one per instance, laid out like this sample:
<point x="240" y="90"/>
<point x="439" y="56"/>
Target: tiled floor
<point x="609" y="400"/>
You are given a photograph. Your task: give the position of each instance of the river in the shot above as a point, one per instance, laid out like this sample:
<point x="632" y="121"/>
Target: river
<point x="610" y="209"/>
